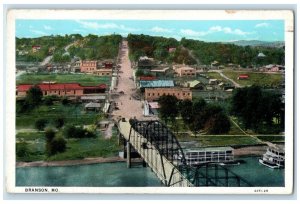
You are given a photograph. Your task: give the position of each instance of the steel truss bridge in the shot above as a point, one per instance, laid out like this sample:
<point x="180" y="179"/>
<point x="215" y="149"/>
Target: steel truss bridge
<point x="160" y="149"/>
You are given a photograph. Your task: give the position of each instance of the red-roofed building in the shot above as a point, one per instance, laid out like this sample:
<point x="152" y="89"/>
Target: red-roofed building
<point x="63" y="89"/>
<point x="243" y="76"/>
<point x="36" y="48"/>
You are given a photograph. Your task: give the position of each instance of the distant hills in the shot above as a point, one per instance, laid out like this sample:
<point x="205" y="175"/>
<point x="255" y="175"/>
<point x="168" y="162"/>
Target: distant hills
<point x="257" y="43"/>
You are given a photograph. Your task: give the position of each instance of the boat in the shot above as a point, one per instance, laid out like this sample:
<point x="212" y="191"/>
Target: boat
<point x="273" y="158"/>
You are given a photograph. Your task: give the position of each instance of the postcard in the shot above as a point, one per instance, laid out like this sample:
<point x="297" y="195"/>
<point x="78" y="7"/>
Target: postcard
<point x="149" y="101"/>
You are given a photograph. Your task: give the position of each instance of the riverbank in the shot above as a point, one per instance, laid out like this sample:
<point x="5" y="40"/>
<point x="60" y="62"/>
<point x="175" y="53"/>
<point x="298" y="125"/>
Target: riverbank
<point x="242" y="151"/>
<point x="250" y="150"/>
<point x="84" y="161"/>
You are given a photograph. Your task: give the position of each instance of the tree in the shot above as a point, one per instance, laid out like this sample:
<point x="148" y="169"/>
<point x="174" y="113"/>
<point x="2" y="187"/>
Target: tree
<point x="49" y="134"/>
<point x="65" y="101"/>
<point x="48" y="100"/>
<point x="197" y="120"/>
<point x="139" y="73"/>
<point x="218" y="124"/>
<point x="40" y="124"/>
<point x="56" y="145"/>
<point x="59" y="122"/>
<point x="186" y="111"/>
<point x="258" y="108"/>
<point x="34" y="96"/>
<point x="168" y="108"/>
<point x="22" y="149"/>
<point x="77" y="132"/>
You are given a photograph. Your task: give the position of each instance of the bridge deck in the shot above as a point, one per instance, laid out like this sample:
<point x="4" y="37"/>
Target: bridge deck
<point x="161" y="166"/>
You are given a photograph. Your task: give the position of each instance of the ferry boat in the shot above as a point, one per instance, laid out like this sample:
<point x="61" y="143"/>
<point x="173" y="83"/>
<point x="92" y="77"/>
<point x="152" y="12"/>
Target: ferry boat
<point x="273" y="158"/>
<point x="218" y="155"/>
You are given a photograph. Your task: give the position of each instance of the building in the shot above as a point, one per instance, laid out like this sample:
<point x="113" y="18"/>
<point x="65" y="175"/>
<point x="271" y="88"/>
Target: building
<point x="185" y="72"/>
<point x="103" y="72"/>
<point x="93" y="98"/>
<point x="108" y="64"/>
<point x="195" y="84"/>
<point x="215" y="64"/>
<point x="61" y="89"/>
<point x="156" y="83"/>
<point x="92" y="106"/>
<point x="161" y="71"/>
<point x="153" y="94"/>
<point x="147" y="78"/>
<point x="36" y="48"/>
<point x="213" y="81"/>
<point x="172" y="49"/>
<point x="261" y="55"/>
<point x="243" y="76"/>
<point x="88" y="66"/>
<point x="274" y="68"/>
<point x="145" y="62"/>
<point x="209" y="155"/>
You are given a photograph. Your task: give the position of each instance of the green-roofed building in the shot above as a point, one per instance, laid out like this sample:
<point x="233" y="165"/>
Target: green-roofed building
<point x="156" y="84"/>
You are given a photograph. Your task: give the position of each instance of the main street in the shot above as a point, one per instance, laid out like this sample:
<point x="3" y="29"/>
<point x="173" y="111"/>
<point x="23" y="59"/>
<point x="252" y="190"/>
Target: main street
<point x="128" y="107"/>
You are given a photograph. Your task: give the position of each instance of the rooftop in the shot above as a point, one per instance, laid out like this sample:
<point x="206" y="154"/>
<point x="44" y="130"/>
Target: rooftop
<point x="208" y="149"/>
<point x="92" y="105"/>
<point x="58" y="86"/>
<point x="101" y="97"/>
<point x="156" y="83"/>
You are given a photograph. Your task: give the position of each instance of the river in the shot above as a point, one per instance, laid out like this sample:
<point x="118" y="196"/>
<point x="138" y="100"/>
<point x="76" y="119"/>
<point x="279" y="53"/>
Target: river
<point x="118" y="175"/>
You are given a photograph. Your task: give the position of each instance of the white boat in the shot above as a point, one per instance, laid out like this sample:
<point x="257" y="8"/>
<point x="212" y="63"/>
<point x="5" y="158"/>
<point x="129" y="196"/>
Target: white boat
<point x="273" y="158"/>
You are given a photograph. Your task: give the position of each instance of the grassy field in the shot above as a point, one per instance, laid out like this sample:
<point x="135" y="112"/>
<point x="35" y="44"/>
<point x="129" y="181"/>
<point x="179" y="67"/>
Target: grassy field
<point x="83" y="79"/>
<point x="214" y="75"/>
<point x="217" y="140"/>
<point x="76" y="148"/>
<point x="271" y="138"/>
<point x="261" y="79"/>
<point x="73" y="115"/>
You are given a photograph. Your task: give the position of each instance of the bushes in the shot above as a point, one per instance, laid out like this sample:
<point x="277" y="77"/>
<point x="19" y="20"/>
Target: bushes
<point x="40" y="124"/>
<point x="22" y="149"/>
<point x="200" y="116"/>
<point x="77" y="132"/>
<point x="48" y="100"/>
<point x="65" y="101"/>
<point x="59" y="122"/>
<point x="54" y="144"/>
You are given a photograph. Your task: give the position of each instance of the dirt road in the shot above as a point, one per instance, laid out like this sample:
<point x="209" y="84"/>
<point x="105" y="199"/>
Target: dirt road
<point x="227" y="78"/>
<point x="128" y="106"/>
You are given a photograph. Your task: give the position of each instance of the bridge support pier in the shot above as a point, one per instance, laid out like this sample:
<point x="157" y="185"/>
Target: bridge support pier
<point x="128" y="155"/>
<point x="144" y="163"/>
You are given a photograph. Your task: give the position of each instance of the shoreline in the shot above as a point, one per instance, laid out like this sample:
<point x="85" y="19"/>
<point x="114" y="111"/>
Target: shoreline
<point x="85" y="161"/>
<point x="250" y="150"/>
<point x="241" y="151"/>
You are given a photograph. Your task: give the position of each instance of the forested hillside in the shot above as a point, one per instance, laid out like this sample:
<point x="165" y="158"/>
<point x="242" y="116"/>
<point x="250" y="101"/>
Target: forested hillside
<point x="90" y="47"/>
<point x="93" y="47"/>
<point x="195" y="51"/>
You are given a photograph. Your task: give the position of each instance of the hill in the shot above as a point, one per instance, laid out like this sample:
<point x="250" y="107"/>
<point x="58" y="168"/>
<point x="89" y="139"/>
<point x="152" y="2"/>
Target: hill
<point x="257" y="43"/>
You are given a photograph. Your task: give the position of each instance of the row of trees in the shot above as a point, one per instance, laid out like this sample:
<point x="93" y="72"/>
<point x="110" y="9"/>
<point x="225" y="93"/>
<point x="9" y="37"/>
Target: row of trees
<point x="197" y="115"/>
<point x="258" y="109"/>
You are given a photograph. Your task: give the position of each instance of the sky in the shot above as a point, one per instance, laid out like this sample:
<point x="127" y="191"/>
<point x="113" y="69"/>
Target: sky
<point x="206" y="30"/>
